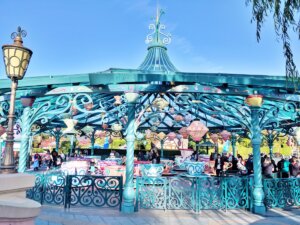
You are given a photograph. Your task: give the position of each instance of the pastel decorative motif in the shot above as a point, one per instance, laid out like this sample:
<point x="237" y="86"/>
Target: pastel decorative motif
<point x="195" y="168"/>
<point x="152" y="170"/>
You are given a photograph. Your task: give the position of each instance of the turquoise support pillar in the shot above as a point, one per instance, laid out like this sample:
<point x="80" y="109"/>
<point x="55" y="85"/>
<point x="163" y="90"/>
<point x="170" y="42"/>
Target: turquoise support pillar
<point x="26" y="130"/>
<point x="129" y="193"/>
<point x="258" y="192"/>
<point x="93" y="143"/>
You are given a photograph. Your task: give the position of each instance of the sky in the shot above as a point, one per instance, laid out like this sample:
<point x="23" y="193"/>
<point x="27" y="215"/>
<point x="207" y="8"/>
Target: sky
<point x="84" y="36"/>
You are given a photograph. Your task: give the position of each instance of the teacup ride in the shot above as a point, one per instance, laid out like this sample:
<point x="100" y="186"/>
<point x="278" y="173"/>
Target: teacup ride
<point x="195" y="169"/>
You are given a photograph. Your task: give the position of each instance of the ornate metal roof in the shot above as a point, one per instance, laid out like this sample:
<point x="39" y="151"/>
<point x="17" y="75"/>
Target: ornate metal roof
<point x="157" y="59"/>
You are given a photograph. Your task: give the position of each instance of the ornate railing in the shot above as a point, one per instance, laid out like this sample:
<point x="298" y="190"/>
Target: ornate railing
<point x="282" y="192"/>
<point x="192" y="193"/>
<point x="71" y="190"/>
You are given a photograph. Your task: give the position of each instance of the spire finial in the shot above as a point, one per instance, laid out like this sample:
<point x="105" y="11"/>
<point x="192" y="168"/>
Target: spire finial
<point x="157" y="37"/>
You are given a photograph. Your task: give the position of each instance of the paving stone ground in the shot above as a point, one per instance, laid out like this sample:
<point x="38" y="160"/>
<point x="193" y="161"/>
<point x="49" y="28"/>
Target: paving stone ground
<point x="57" y="215"/>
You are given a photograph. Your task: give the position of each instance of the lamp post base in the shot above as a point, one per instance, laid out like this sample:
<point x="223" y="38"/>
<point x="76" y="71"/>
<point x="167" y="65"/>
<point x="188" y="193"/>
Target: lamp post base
<point x="260" y="210"/>
<point x="127" y="207"/>
<point x="7" y="169"/>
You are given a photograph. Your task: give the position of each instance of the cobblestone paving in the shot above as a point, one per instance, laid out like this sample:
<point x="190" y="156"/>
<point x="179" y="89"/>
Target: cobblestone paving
<point x="51" y="215"/>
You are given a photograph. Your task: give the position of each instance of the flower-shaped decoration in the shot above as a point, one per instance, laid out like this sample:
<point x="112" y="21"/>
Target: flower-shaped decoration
<point x="197" y="130"/>
<point x="88" y="129"/>
<point x="100" y="133"/>
<point x="70" y="126"/>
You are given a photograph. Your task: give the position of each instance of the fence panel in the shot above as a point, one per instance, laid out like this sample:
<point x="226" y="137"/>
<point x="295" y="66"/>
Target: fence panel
<point x="282" y="192"/>
<point x="96" y="191"/>
<point x="84" y="190"/>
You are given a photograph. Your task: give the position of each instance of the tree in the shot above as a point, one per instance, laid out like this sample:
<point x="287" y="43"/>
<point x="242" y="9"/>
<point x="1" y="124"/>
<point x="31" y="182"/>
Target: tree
<point x="284" y="14"/>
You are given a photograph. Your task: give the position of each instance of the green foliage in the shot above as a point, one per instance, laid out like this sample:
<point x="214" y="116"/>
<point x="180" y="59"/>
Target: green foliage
<point x="284" y="15"/>
<point x="38" y="150"/>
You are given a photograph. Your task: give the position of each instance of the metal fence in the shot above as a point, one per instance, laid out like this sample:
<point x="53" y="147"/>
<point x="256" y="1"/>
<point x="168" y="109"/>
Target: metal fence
<point x="197" y="193"/>
<point x="74" y="190"/>
<point x="282" y="192"/>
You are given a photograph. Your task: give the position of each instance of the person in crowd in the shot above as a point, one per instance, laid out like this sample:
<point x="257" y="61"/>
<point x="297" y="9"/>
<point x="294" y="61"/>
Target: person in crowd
<point x="63" y="157"/>
<point x="249" y="164"/>
<point x="36" y="162"/>
<point x="233" y="160"/>
<point x="48" y="159"/>
<point x="141" y="156"/>
<point x="294" y="168"/>
<point x="219" y="164"/>
<point x="267" y="168"/>
<point x="54" y="155"/>
<point x="280" y="166"/>
<point x="154" y="156"/>
<point x="124" y="160"/>
<point x="285" y="168"/>
<point x="240" y="165"/>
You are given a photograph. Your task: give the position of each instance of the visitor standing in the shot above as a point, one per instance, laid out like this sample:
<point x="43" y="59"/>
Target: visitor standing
<point x="54" y="155"/>
<point x="219" y="164"/>
<point x="267" y="168"/>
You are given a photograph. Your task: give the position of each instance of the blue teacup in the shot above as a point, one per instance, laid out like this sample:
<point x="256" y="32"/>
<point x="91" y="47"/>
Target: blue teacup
<point x="152" y="170"/>
<point x="195" y="168"/>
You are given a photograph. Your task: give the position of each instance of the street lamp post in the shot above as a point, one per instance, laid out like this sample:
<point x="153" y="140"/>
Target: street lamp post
<point x="16" y="60"/>
<point x="255" y="102"/>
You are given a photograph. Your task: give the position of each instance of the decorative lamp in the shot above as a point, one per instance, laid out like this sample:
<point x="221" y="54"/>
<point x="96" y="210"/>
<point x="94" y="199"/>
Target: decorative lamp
<point x="161" y="136"/>
<point x="214" y="138"/>
<point x="160" y="103"/>
<point x="2" y="130"/>
<point x="118" y="99"/>
<point x="171" y="136"/>
<point x="27" y="101"/>
<point x="184" y="132"/>
<point x="16" y="56"/>
<point x="197" y="130"/>
<point x="254" y="100"/>
<point x="70" y="126"/>
<point x="225" y="135"/>
<point x="88" y="129"/>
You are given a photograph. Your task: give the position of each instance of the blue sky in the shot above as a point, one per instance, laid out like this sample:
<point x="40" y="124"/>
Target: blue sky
<point x="82" y="36"/>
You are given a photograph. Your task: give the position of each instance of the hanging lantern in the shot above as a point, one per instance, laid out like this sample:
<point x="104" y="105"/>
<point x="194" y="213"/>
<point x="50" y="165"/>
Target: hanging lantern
<point x="188" y="118"/>
<point x="118" y="99"/>
<point x="161" y="136"/>
<point x="225" y="135"/>
<point x="148" y="134"/>
<point x="160" y="103"/>
<point x="104" y="126"/>
<point x="88" y="129"/>
<point x="197" y="130"/>
<point x="171" y="136"/>
<point x="70" y="126"/>
<point x="184" y="132"/>
<point x="116" y="127"/>
<point x="88" y="106"/>
<point x="2" y="130"/>
<point x="214" y="138"/>
<point x="178" y="118"/>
